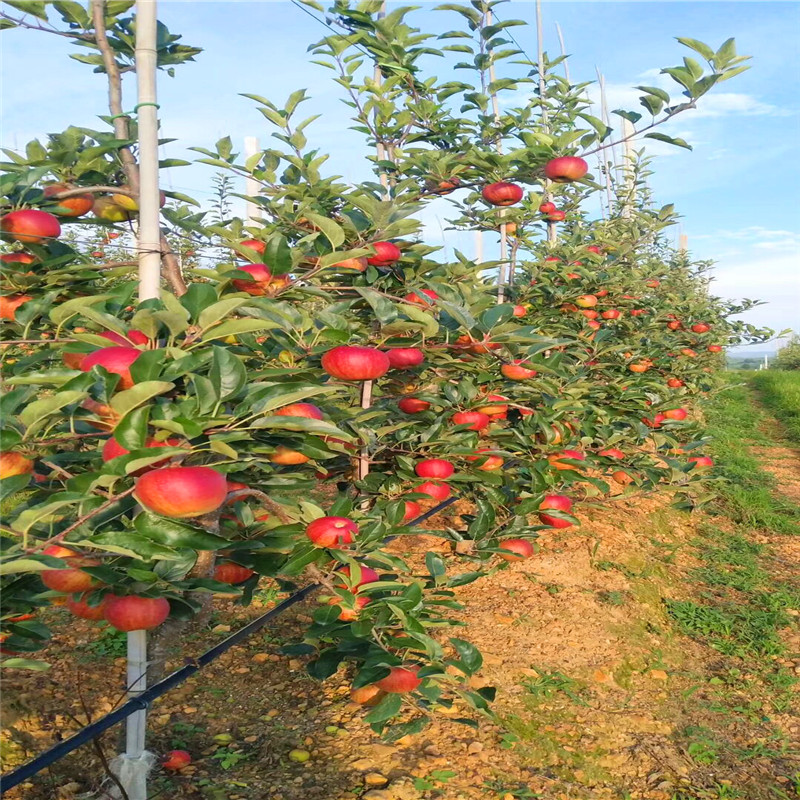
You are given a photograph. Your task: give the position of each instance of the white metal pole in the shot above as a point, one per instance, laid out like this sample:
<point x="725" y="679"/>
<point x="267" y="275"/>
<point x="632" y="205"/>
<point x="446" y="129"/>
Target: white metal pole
<point x="251" y="187"/>
<point x="149" y="240"/>
<point x="137" y="683"/>
<point x="628" y="131"/>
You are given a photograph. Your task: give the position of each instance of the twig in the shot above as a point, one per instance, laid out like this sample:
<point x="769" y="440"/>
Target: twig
<point x="269" y="503"/>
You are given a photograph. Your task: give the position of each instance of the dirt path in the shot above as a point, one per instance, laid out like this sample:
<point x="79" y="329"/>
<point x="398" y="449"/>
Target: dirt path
<point x="623" y="671"/>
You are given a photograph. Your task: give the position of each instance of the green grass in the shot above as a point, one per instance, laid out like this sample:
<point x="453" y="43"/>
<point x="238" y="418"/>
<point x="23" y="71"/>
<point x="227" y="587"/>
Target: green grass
<point x="780" y="392"/>
<point x="747" y="494"/>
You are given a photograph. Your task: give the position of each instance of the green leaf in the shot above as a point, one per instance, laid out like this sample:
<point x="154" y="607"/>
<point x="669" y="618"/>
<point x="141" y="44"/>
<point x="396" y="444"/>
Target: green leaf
<point x="471" y="659"/>
<point x="199" y="297"/>
<point x="34" y="415"/>
<point x="218" y="311"/>
<point x="134" y="545"/>
<point x="131" y="430"/>
<point x="32" y="7"/>
<point x="25" y="663"/>
<point x="234" y="327"/>
<point x="72" y="12"/>
<point x="127" y="400"/>
<point x="662" y="137"/>
<point x="176" y="534"/>
<point x="333" y="232"/>
<point x="22" y="565"/>
<point x="697" y="46"/>
<point x="386" y="709"/>
<point x="660" y="93"/>
<point x="435" y="565"/>
<point x="47" y="511"/>
<point x="497" y="315"/>
<point x="228" y="374"/>
<point x="278" y="255"/>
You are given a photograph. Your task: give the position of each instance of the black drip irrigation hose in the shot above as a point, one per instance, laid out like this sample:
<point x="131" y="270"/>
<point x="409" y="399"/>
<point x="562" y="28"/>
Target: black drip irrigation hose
<point x="139" y="703"/>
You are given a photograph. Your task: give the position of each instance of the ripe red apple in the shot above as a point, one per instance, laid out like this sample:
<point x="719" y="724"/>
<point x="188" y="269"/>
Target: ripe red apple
<point x="30" y="226"/>
<point x="556" y="462"/>
<point x="594" y="325"/>
<point x="435" y="468"/>
<point x="638" y="312"/>
<point x="368" y="575"/>
<point x="12" y="463"/>
<point x="715" y="348"/>
<point x="593" y="248"/>
<point x="349" y="614"/>
<point x="638" y="367"/>
<point x="552" y="259"/>
<point x="688" y="352"/>
<point x="612" y="313"/>
<point x="176" y="760"/>
<point x="547" y="208"/>
<point x="257" y="284"/>
<point x="255" y="245"/>
<point x="516" y="371"/>
<point x="496" y="410"/>
<point x="674" y="325"/>
<point x="75" y="206"/>
<point x="332" y="531"/>
<point x="438" y="491"/>
<point x="674" y="383"/>
<point x="622" y="478"/>
<point x="519" y="549"/>
<point x="415" y="299"/>
<point x="386" y="254"/>
<point x="400" y="680"/>
<point x="367" y="695"/>
<point x="358" y="264"/>
<point x="69" y="579"/>
<point x="701" y="462"/>
<point x="557" y="216"/>
<point x="405" y="357"/>
<point x="652" y="284"/>
<point x="676" y="414"/>
<point x="304" y="410"/>
<point x="10" y="303"/>
<point x="502" y="193"/>
<point x="590" y="313"/>
<point x="445" y="186"/>
<point x="412" y="510"/>
<point x="134" y="613"/>
<point x="612" y="452"/>
<point x="566" y="169"/>
<point x="555" y="502"/>
<point x="228" y="572"/>
<point x="655" y="422"/>
<point x="81" y="608"/>
<point x="601" y="293"/>
<point x="586" y="301"/>
<point x="413" y="405"/>
<point x="519" y="311"/>
<point x="355" y="363"/>
<point x="490" y="462"/>
<point x="701" y="327"/>
<point x="131" y="337"/>
<point x="116" y="360"/>
<point x="181" y="492"/>
<point x="476" y="420"/>
<point x="18" y="258"/>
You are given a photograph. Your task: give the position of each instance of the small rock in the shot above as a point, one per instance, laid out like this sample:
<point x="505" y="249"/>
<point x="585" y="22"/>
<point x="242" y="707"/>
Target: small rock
<point x="242" y="670"/>
<point x="475" y="747"/>
<point x="189" y="710"/>
<point x="375" y="779"/>
<point x="363" y="765"/>
<point x="295" y="664"/>
<point x="251" y="738"/>
<point x="658" y="674"/>
<point x="377" y="794"/>
<point x="260" y="658"/>
<point x="221" y="629"/>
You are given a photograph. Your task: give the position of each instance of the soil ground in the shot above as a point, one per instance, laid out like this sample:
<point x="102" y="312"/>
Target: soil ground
<point x="652" y="654"/>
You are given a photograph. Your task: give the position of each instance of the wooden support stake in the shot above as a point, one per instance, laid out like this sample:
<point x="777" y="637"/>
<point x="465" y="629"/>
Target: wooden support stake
<point x="252" y="188"/>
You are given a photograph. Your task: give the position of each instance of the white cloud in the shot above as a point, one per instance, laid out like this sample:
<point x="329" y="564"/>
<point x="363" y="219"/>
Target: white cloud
<point x="759" y="238"/>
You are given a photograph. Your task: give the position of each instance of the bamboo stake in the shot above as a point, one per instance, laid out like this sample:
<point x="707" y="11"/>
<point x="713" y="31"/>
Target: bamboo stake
<point x="149" y="232"/>
<point x="548" y="195"/>
<point x="502" y="277"/>
<point x="605" y="165"/>
<point x="628" y="131"/>
<point x="251" y="187"/>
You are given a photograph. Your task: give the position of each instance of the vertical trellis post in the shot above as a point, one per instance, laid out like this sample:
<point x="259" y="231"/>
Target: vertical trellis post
<point x="551" y="226"/>
<point x="605" y="166"/>
<point x="251" y="186"/>
<point x="628" y="132"/>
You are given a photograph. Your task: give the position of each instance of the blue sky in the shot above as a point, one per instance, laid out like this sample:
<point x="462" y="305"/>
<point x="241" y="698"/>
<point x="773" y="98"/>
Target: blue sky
<point x="738" y="191"/>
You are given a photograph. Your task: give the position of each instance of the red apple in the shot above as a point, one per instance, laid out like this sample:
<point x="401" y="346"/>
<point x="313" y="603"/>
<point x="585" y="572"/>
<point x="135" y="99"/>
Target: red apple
<point x="476" y="420"/>
<point x="516" y="371"/>
<point x="674" y="383"/>
<point x="405" y="357"/>
<point x="116" y="360"/>
<point x="412" y="510"/>
<point x="593" y="248"/>
<point x="557" y="216"/>
<point x="688" y="352"/>
<point x="547" y="208"/>
<point x="113" y="449"/>
<point x="519" y="311"/>
<point x="176" y="760"/>
<point x="622" y="478"/>
<point x="303" y="410"/>
<point x="349" y="614"/>
<point x="413" y="405"/>
<point x="590" y="313"/>
<point x="400" y="680"/>
<point x="612" y="452"/>
<point x="415" y="299"/>
<point x="701" y="462"/>
<point x="12" y="463"/>
<point x="518" y="549"/>
<point x="126" y="340"/>
<point x="386" y="254"/>
<point x="435" y="468"/>
<point x="10" y="303"/>
<point x="182" y="492"/>
<point x="81" y="608"/>
<point x="134" y="613"/>
<point x="257" y="284"/>
<point x="715" y="348"/>
<point x="75" y="206"/>
<point x="228" y="572"/>
<point x="367" y="695"/>
<point x="566" y="169"/>
<point x="438" y="491"/>
<point x="498" y="409"/>
<point x="676" y="414"/>
<point x="18" y="258"/>
<point x="490" y="463"/>
<point x="70" y="579"/>
<point x="332" y="531"/>
<point x="368" y="575"/>
<point x="30" y="226"/>
<point x="555" y="460"/>
<point x="355" y="363"/>
<point x="652" y="284"/>
<point x="555" y="502"/>
<point x="701" y="327"/>
<point x="502" y="193"/>
<point x="253" y="244"/>
<point x="552" y="259"/>
<point x="638" y="312"/>
<point x="612" y="313"/>
<point x="586" y="301"/>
